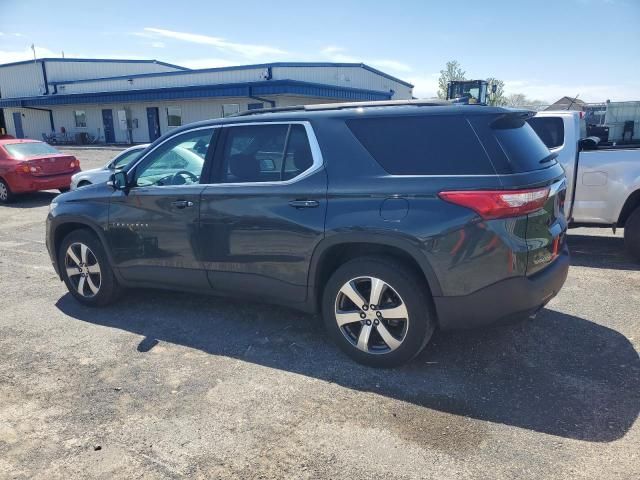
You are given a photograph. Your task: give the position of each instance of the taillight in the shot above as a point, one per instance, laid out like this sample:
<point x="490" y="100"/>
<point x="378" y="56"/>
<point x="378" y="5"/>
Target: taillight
<point x="74" y="164"/>
<point x="499" y="203"/>
<point x="23" y="168"/>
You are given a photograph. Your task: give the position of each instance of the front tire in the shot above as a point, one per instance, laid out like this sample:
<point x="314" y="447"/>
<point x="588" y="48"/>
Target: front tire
<point x="632" y="234"/>
<point x="86" y="270"/>
<point x="5" y="192"/>
<point x="378" y="311"/>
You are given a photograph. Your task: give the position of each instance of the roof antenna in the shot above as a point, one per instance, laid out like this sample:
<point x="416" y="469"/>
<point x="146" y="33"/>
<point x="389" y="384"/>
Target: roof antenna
<point x="62" y="53"/>
<point x="33" y="47"/>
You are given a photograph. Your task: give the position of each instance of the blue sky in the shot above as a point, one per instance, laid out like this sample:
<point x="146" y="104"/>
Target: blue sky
<point x="544" y="48"/>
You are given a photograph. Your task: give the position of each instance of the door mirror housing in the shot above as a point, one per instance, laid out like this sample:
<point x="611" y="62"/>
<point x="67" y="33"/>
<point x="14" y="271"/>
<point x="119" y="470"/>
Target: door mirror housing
<point x="589" y="143"/>
<point x="119" y="181"/>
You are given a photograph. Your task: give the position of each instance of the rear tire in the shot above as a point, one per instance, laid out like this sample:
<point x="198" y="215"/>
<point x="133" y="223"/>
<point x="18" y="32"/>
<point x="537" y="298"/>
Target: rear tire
<point x="5" y="192"/>
<point x="63" y="190"/>
<point x="86" y="270"/>
<point x="378" y="335"/>
<point x="632" y="234"/>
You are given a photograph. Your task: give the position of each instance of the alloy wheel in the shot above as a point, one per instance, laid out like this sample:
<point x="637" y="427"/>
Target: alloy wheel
<point x="4" y="193"/>
<point x="83" y="269"/>
<point x="371" y="315"/>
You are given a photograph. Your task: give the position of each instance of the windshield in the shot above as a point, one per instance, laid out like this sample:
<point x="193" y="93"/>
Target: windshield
<point x="22" y="151"/>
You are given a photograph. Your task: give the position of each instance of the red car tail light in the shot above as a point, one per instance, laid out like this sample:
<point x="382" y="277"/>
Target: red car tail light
<point x="23" y="168"/>
<point x="498" y="203"/>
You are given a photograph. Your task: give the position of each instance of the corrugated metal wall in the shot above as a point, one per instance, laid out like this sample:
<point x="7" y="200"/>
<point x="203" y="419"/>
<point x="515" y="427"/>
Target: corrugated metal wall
<point x="23" y="80"/>
<point x="354" y="77"/>
<point x="34" y="122"/>
<point x="69" y="70"/>
<point x="162" y="81"/>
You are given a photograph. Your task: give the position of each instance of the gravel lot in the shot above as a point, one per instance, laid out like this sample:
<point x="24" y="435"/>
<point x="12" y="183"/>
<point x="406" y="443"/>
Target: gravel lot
<point x="168" y="385"/>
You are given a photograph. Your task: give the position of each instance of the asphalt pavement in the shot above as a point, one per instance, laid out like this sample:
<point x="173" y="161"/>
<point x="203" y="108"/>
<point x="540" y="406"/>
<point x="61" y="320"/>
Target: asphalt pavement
<point x="173" y="385"/>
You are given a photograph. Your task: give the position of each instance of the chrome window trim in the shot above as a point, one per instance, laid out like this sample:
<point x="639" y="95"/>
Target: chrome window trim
<point x="316" y="153"/>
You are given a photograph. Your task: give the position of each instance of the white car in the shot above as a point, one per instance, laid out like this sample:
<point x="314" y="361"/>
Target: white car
<point x="101" y="175"/>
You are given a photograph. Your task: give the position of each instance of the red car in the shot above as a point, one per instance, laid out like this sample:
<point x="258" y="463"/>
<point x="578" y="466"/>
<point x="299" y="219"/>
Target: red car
<point x="31" y="165"/>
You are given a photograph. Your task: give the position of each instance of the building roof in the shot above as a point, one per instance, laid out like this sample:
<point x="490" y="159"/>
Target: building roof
<point x="246" y="89"/>
<point x="574" y="103"/>
<point x="101" y="60"/>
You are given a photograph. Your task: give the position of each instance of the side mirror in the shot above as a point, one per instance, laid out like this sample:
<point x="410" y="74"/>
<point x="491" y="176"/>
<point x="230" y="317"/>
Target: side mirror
<point x="119" y="180"/>
<point x="589" y="143"/>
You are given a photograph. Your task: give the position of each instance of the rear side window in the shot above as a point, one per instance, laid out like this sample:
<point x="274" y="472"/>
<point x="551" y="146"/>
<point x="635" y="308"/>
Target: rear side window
<point x="549" y="129"/>
<point x="423" y="145"/>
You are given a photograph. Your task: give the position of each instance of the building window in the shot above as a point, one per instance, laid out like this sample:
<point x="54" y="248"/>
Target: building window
<point x="229" y="109"/>
<point x="174" y="116"/>
<point x="81" y="118"/>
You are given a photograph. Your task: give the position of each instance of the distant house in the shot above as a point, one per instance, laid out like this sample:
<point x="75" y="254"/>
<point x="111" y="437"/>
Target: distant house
<point x="567" y="103"/>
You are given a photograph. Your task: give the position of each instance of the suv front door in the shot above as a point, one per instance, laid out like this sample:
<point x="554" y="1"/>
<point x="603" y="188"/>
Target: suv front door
<point x="153" y="226"/>
<point x="264" y="213"/>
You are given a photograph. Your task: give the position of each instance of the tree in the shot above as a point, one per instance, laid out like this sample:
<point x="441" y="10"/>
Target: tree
<point x="453" y="71"/>
<point x="521" y="100"/>
<point x="497" y="98"/>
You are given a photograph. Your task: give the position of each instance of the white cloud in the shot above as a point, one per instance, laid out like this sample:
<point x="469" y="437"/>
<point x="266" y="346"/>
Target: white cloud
<point x="9" y="56"/>
<point x="157" y="44"/>
<point x="425" y="86"/>
<point x="244" y="49"/>
<point x="337" y="54"/>
<point x="207" y="63"/>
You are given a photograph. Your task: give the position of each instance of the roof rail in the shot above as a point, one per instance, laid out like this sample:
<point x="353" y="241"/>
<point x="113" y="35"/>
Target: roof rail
<point x="342" y="106"/>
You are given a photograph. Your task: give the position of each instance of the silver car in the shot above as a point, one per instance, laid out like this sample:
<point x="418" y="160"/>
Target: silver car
<point x="101" y="175"/>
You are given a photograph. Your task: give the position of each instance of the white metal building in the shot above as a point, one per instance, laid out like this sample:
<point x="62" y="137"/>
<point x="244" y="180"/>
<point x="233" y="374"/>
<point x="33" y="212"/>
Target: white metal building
<point x="123" y="101"/>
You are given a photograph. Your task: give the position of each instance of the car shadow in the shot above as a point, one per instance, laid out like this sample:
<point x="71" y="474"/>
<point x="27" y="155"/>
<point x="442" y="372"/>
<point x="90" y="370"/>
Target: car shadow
<point x="597" y="251"/>
<point x="559" y="374"/>
<point x="32" y="200"/>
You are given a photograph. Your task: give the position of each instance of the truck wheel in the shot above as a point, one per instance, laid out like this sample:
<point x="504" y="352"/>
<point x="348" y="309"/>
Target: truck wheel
<point x="5" y="192"/>
<point x="378" y="311"/>
<point x="632" y="234"/>
<point x="86" y="270"/>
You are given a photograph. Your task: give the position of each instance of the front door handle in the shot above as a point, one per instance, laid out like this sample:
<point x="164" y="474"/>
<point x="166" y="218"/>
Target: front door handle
<point x="304" y="203"/>
<point x="182" y="204"/>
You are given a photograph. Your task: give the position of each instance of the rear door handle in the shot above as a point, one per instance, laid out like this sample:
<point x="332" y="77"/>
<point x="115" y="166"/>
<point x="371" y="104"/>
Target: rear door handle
<point x="304" y="203"/>
<point x="182" y="204"/>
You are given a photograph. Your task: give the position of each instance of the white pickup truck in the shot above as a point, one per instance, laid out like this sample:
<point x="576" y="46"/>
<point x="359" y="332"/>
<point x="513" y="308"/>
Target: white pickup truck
<point x="603" y="184"/>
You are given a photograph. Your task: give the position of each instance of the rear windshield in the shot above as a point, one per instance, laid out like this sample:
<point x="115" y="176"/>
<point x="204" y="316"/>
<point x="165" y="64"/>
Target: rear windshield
<point x="22" y="151"/>
<point x="549" y="129"/>
<point x="423" y="145"/>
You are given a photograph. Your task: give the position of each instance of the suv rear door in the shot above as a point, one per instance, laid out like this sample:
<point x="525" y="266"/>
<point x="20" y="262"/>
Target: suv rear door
<point x="263" y="213"/>
<point x="525" y="162"/>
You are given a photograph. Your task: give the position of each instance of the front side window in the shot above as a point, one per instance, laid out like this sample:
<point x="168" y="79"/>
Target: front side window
<point x="80" y="118"/>
<point x="125" y="159"/>
<point x="265" y="153"/>
<point x="178" y="161"/>
<point x="174" y="116"/>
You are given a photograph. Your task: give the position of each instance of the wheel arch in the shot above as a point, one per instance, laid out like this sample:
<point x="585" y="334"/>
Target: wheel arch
<point x="334" y="251"/>
<point x="632" y="202"/>
<point x="62" y="229"/>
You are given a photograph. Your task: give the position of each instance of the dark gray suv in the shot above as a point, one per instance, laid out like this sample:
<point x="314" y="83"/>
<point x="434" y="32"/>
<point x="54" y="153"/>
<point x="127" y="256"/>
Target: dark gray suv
<point x="390" y="220"/>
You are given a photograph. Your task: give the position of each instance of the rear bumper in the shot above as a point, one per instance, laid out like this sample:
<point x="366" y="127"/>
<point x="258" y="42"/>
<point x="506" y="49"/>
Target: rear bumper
<point x="29" y="183"/>
<point x="503" y="301"/>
